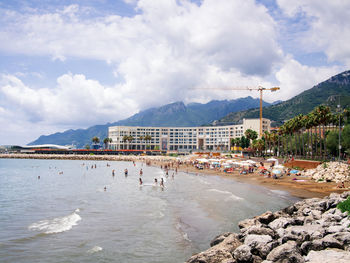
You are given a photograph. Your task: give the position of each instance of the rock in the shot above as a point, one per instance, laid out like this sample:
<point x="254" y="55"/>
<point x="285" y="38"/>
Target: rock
<point x="266" y="218"/>
<point x="259" y="244"/>
<point x="330" y="242"/>
<point x="218" y="239"/>
<point x="281" y="222"/>
<point x="218" y="253"/>
<point x="288" y="252"/>
<point x="328" y="256"/>
<point x="248" y="223"/>
<point x="242" y="253"/>
<point x="255" y="230"/>
<point x="307" y="246"/>
<point x="304" y="233"/>
<point x="342" y="237"/>
<point x="335" y="229"/>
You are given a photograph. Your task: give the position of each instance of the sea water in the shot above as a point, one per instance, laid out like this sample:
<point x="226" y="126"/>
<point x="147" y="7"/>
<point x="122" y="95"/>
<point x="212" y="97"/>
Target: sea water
<point x="59" y="211"/>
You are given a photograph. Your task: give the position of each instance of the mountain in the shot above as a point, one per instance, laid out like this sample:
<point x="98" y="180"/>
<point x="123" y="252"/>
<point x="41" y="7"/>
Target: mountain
<point x="174" y="114"/>
<point x="302" y="103"/>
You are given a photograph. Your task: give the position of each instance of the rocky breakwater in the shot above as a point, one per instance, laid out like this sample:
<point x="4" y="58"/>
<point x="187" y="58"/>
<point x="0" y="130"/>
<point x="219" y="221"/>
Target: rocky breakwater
<point x="312" y="230"/>
<point x="332" y="171"/>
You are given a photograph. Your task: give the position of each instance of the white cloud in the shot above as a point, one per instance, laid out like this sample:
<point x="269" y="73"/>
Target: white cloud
<point x="75" y="101"/>
<point x="167" y="48"/>
<point x="329" y="30"/>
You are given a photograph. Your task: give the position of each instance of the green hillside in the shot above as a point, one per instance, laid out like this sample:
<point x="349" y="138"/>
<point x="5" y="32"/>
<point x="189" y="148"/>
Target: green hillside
<point x="302" y="103"/>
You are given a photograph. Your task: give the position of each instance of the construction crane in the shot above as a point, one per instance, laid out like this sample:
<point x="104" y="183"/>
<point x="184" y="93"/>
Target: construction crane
<point x="259" y="88"/>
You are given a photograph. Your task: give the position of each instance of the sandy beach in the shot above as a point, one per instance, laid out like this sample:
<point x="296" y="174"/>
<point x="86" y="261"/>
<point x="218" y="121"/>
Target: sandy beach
<point x="303" y="187"/>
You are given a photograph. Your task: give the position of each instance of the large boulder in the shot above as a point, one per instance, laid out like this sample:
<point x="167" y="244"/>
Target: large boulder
<point x="286" y="253"/>
<point x="221" y="252"/>
<point x="218" y="239"/>
<point x="328" y="256"/>
<point x="281" y="222"/>
<point x="260" y="245"/>
<point x="243" y="254"/>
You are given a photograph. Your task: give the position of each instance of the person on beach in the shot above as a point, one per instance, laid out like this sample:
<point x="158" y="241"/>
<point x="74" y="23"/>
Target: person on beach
<point x="140" y="181"/>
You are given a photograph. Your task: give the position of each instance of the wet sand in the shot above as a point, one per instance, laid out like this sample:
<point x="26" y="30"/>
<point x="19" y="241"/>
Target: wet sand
<point x="301" y="189"/>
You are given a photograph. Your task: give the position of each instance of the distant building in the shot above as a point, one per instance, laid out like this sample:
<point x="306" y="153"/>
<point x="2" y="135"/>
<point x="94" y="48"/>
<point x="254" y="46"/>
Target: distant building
<point x="181" y="138"/>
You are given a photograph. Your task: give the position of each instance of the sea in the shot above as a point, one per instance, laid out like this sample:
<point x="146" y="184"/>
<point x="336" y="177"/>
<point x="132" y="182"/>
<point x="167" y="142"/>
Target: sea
<point x="77" y="211"/>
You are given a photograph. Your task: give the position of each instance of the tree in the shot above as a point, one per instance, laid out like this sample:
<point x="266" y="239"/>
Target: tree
<point x="87" y="147"/>
<point x="244" y="142"/>
<point x="258" y="145"/>
<point x="332" y="142"/>
<point x="141" y="138"/>
<point x="147" y="138"/>
<point x="96" y="140"/>
<point x="345" y="139"/>
<point x="106" y="141"/>
<point x="250" y="134"/>
<point x="130" y="139"/>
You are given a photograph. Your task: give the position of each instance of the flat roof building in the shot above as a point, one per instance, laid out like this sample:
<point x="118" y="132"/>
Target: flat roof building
<point x="181" y="138"/>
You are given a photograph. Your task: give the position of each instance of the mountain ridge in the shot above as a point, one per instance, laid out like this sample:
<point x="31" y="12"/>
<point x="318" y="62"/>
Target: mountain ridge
<point x="302" y="103"/>
<point x="173" y="114"/>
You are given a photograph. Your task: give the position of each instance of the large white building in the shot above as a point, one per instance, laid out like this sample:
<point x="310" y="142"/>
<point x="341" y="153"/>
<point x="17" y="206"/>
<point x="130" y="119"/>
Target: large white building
<point x="181" y="138"/>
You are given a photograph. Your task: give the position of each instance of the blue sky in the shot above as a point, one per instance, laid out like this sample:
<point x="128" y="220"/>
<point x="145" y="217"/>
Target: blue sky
<point x="73" y="64"/>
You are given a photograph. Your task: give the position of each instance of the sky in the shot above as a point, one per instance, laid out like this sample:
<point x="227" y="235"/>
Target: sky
<point x="74" y="64"/>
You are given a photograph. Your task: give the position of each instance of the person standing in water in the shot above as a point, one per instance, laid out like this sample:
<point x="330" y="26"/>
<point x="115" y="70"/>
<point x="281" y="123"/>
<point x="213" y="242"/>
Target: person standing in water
<point x="113" y="174"/>
<point x="140" y="180"/>
<point x="161" y="182"/>
<point x="155" y="181"/>
<point x="126" y="172"/>
<point x="141" y="172"/>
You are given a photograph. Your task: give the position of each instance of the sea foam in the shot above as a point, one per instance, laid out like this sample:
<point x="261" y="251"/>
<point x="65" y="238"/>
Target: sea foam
<point x="57" y="225"/>
<point x="94" y="249"/>
<point x="230" y="197"/>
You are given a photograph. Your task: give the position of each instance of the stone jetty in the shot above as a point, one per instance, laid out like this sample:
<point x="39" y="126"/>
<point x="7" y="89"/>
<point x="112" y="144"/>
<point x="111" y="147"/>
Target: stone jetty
<point x="330" y="172"/>
<point x="311" y="230"/>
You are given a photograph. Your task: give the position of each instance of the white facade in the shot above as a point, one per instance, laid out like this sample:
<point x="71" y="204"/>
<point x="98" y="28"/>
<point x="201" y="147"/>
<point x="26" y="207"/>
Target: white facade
<point x="181" y="138"/>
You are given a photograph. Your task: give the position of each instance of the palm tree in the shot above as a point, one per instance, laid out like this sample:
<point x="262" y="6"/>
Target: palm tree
<point x="130" y="139"/>
<point x="147" y="138"/>
<point x="250" y="134"/>
<point x="96" y="140"/>
<point x="141" y="138"/>
<point x="125" y="139"/>
<point x="106" y="141"/>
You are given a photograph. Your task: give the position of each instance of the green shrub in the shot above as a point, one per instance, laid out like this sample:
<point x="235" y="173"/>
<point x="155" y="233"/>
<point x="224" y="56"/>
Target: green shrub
<point x="325" y="165"/>
<point x="344" y="206"/>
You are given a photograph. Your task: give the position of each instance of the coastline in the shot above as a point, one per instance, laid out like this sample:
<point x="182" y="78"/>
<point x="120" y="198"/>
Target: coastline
<point x="306" y="188"/>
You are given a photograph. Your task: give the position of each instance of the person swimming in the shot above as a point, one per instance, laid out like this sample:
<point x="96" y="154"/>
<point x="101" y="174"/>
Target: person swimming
<point x="105" y="188"/>
<point x="155" y="181"/>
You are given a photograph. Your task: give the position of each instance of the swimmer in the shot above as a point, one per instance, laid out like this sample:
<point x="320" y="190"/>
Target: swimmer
<point x="113" y="173"/>
<point x="155" y="181"/>
<point x="126" y="172"/>
<point x="105" y="188"/>
<point x="39" y="177"/>
<point x="140" y="180"/>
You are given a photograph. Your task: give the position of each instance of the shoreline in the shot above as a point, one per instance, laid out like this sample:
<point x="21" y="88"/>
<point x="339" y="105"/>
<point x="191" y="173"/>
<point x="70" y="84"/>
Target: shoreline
<point x="306" y="188"/>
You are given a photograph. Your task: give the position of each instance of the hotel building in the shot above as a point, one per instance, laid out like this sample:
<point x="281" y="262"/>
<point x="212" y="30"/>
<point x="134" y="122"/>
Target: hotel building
<point x="181" y="138"/>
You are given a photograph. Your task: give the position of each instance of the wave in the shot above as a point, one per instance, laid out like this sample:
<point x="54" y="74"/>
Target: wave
<point x="182" y="232"/>
<point x="94" y="250"/>
<point x="231" y="197"/>
<point x="57" y="225"/>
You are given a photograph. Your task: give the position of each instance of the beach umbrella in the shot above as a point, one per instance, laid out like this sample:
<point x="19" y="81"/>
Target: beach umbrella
<point x="294" y="171"/>
<point x="276" y="171"/>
